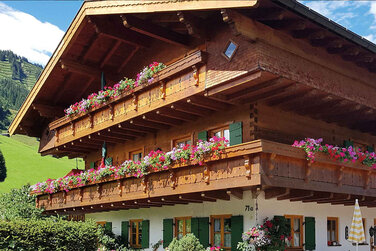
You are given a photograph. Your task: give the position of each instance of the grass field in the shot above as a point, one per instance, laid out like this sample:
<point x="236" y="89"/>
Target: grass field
<point x="25" y="165"/>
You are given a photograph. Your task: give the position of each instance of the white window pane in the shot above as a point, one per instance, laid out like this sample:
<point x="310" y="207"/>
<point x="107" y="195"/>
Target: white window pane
<point x="217" y="239"/>
<point x="227" y="240"/>
<point x="227" y="134"/>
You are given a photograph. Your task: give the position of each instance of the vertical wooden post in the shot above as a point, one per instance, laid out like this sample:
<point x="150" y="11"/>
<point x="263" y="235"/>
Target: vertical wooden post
<point x="196" y="75"/>
<point x="207" y="174"/>
<point x="162" y="90"/>
<point x="135" y="102"/>
<point x="120" y="188"/>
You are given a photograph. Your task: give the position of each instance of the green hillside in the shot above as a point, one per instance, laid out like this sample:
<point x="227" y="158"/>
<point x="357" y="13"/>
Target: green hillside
<point x="17" y="77"/>
<point x="18" y="69"/>
<point x="25" y="165"/>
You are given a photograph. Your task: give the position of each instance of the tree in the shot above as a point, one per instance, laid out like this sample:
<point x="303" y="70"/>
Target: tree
<point x="4" y="118"/>
<point x="19" y="204"/>
<point x="3" y="169"/>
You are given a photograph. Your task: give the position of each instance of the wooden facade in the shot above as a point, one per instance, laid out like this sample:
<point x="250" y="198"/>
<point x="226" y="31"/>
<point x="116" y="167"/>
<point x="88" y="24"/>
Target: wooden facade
<point x="289" y="78"/>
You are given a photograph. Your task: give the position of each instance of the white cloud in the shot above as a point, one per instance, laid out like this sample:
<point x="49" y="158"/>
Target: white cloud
<point x="371" y="37"/>
<point x="27" y="36"/>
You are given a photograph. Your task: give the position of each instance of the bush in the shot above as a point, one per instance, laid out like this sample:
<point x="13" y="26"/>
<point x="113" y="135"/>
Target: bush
<point x="3" y="168"/>
<point x="188" y="243"/>
<point x="48" y="234"/>
<point x="19" y="204"/>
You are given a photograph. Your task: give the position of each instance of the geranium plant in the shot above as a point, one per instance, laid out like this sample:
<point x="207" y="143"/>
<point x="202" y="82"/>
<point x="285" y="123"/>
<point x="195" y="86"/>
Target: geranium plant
<point x="96" y="99"/>
<point x="342" y="154"/>
<point x="154" y="161"/>
<point x="272" y="235"/>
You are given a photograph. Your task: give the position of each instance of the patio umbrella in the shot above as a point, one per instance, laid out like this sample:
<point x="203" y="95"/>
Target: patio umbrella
<point x="356" y="234"/>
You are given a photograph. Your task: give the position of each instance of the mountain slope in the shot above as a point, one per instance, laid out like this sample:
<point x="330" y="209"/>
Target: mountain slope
<point x="25" y="165"/>
<point x="18" y="69"/>
<point x="17" y="77"/>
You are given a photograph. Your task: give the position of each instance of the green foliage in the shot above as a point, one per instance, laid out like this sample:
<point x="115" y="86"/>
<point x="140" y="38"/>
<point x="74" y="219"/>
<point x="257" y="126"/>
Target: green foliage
<point x="19" y="204"/>
<point x="188" y="243"/>
<point x="19" y="69"/>
<point x="12" y="94"/>
<point x="4" y="118"/>
<point x="48" y="234"/>
<point x="3" y="168"/>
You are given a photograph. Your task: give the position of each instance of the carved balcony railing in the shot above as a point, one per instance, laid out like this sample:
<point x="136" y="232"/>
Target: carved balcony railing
<point x="178" y="80"/>
<point x="249" y="165"/>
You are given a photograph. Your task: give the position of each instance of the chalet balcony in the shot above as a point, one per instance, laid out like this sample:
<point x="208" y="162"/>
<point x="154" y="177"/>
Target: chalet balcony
<point x="281" y="170"/>
<point x="145" y="109"/>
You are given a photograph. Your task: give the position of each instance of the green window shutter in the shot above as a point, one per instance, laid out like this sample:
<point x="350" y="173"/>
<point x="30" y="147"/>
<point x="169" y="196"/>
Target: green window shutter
<point x="236" y="133"/>
<point x="310" y="233"/>
<point x="194" y="227"/>
<point x="203" y="231"/>
<point x="125" y="232"/>
<point x="167" y="232"/>
<point x="108" y="161"/>
<point x="370" y="149"/>
<point x="348" y="143"/>
<point x="92" y="165"/>
<point x="236" y="231"/>
<point x="202" y="135"/>
<point x="145" y="234"/>
<point x="108" y="226"/>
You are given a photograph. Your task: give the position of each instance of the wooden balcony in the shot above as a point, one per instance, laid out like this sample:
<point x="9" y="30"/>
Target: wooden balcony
<point x="178" y="81"/>
<point x="281" y="170"/>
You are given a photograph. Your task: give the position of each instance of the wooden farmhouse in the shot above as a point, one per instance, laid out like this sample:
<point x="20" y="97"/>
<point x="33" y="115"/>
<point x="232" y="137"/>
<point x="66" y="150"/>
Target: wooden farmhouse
<point x="261" y="73"/>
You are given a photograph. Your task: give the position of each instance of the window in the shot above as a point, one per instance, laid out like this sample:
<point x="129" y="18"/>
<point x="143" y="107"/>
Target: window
<point x="221" y="132"/>
<point x="135" y="155"/>
<point x="182" y="226"/>
<point x="332" y="231"/>
<point x="230" y="50"/>
<point x="135" y="233"/>
<point x="296" y="223"/>
<point x="181" y="142"/>
<point x="102" y="223"/>
<point x="221" y="231"/>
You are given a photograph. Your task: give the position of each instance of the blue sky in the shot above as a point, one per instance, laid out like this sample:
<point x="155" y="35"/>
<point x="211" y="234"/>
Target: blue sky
<point x="40" y="25"/>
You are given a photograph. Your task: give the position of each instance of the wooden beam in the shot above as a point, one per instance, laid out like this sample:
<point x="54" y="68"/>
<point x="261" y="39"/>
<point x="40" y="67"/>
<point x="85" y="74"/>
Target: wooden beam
<point x="288" y="24"/>
<point x="317" y="196"/>
<point x="275" y="192"/>
<point x="149" y="124"/>
<point x="48" y="111"/>
<point x="134" y="128"/>
<point x="195" y="197"/>
<point x="73" y="66"/>
<point x="207" y="104"/>
<point x="110" y="53"/>
<point x="256" y="88"/>
<point x="198" y="111"/>
<point x="153" y="117"/>
<point x="107" y="139"/>
<point x="155" y="31"/>
<point x="266" y="14"/>
<point x="85" y="88"/>
<point x="112" y="28"/>
<point x="193" y="24"/>
<point x="166" y="112"/>
<point x="236" y="192"/>
<point x="115" y="135"/>
<point x="127" y="59"/>
<point x="122" y="131"/>
<point x="216" y="195"/>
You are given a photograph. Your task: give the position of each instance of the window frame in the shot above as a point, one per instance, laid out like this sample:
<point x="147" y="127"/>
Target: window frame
<point x="184" y="219"/>
<point x="336" y="219"/>
<point x="182" y="138"/>
<point x="222" y="217"/>
<point x="221" y="129"/>
<point x="138" y="222"/>
<point x="227" y="45"/>
<point x="136" y="151"/>
<point x="292" y="217"/>
<point x="102" y="223"/>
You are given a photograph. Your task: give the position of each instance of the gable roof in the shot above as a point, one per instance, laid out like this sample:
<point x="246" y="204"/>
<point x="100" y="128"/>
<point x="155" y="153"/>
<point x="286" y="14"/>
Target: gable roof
<point x="111" y="8"/>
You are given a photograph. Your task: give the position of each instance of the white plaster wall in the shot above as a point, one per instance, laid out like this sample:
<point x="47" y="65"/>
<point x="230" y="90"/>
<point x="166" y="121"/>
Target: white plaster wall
<point x="156" y="214"/>
<point x="267" y="208"/>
